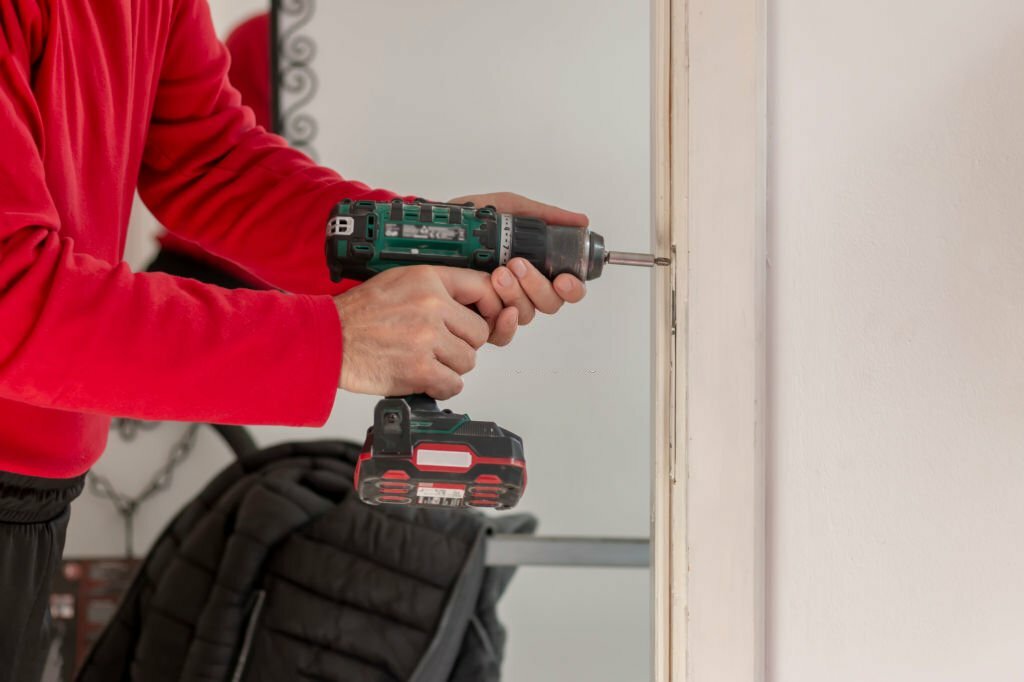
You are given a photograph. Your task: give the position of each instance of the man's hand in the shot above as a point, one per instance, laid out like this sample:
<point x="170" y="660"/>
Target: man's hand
<point x="523" y="289"/>
<point x="410" y="330"/>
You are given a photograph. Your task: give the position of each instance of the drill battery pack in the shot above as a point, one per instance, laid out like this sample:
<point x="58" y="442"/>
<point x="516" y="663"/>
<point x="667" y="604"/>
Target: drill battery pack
<point x="416" y="454"/>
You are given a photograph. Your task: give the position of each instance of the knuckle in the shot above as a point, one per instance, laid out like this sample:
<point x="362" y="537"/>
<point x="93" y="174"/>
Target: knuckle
<point x="512" y="295"/>
<point x="425" y="376"/>
<point x="445" y="383"/>
<point x="430" y="302"/>
<point x="483" y="330"/>
<point x="424" y="382"/>
<point x="425" y="336"/>
<point x="420" y="271"/>
<point x="504" y="334"/>
<point x="532" y="272"/>
<point x="426" y="368"/>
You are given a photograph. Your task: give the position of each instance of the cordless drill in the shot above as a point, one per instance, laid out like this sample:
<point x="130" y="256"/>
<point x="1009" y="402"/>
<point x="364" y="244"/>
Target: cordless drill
<point x="416" y="453"/>
<point x="364" y="238"/>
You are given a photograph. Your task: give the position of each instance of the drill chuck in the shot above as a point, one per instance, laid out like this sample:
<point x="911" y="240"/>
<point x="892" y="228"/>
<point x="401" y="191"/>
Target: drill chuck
<point x="554" y="249"/>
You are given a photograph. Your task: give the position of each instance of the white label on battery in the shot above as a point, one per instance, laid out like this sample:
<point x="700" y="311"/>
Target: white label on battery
<point x="505" y="242"/>
<point x="456" y="459"/>
<point x="444" y="493"/>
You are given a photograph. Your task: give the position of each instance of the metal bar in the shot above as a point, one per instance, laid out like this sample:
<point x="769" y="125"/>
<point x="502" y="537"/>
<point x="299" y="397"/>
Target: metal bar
<point x="528" y="550"/>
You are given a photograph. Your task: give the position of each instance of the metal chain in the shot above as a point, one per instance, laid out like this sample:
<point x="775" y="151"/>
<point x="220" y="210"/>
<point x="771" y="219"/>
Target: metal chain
<point x="128" y="429"/>
<point x="126" y="506"/>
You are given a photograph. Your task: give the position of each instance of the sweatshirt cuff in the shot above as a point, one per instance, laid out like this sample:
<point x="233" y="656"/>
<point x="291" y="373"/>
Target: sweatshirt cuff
<point x="326" y="349"/>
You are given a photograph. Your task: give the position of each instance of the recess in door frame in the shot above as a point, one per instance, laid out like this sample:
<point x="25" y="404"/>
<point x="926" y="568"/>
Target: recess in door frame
<point x="709" y="194"/>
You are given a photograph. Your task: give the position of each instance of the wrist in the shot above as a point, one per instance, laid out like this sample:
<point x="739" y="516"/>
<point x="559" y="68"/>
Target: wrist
<point x="340" y="315"/>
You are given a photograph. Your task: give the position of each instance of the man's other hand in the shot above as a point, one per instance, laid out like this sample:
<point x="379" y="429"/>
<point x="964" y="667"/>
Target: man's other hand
<point x="522" y="288"/>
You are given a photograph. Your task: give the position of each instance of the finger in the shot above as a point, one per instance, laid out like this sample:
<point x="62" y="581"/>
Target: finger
<point x="505" y="327"/>
<point x="471" y="287"/>
<point x="512" y="294"/>
<point x="467" y="325"/>
<point x="570" y="288"/>
<point x="444" y="383"/>
<point x="536" y="286"/>
<point x="552" y="215"/>
<point x="509" y="202"/>
<point x="456" y="354"/>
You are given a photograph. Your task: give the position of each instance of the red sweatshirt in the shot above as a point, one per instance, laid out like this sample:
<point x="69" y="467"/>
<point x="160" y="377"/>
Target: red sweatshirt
<point x="97" y="98"/>
<point x="248" y="45"/>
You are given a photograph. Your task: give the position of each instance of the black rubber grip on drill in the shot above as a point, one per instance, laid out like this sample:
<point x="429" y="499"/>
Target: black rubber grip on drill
<point x="530" y="241"/>
<point x="554" y="249"/>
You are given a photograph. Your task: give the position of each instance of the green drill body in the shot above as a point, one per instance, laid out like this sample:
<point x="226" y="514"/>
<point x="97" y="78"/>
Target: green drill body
<point x="365" y="238"/>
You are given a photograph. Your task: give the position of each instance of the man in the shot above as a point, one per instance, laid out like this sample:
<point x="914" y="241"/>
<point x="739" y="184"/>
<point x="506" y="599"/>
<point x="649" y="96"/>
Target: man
<point x="96" y="99"/>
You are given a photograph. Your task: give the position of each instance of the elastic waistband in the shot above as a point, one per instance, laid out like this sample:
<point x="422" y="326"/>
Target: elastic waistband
<point x="27" y="499"/>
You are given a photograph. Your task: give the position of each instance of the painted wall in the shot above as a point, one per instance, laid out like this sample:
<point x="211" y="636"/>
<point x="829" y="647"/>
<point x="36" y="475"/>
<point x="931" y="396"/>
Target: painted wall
<point x="897" y="326"/>
<point x="562" y="114"/>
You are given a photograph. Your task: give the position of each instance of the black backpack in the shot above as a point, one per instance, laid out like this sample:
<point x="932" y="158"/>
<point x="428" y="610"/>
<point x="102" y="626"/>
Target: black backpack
<point x="276" y="572"/>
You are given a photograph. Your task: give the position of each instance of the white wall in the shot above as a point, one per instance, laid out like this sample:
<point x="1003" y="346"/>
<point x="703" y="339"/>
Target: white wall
<point x="897" y="326"/>
<point x="229" y="13"/>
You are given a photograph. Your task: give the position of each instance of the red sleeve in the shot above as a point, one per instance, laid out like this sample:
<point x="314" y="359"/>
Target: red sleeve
<point x="213" y="176"/>
<point x="80" y="334"/>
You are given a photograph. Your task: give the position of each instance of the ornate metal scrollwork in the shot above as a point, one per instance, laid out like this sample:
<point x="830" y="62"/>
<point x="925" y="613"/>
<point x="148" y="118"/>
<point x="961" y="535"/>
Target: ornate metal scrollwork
<point x="294" y="80"/>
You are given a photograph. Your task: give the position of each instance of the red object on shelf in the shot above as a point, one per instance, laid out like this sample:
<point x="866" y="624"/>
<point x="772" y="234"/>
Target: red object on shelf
<point x="83" y="598"/>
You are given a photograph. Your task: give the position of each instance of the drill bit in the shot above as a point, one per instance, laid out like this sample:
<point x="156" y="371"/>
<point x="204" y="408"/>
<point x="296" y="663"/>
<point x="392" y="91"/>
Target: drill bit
<point x="645" y="260"/>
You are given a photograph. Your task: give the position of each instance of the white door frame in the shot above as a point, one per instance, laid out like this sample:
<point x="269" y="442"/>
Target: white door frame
<point x="708" y="491"/>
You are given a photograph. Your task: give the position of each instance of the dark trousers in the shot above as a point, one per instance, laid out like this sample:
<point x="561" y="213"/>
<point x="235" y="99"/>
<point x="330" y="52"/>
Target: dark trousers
<point x="34" y="515"/>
